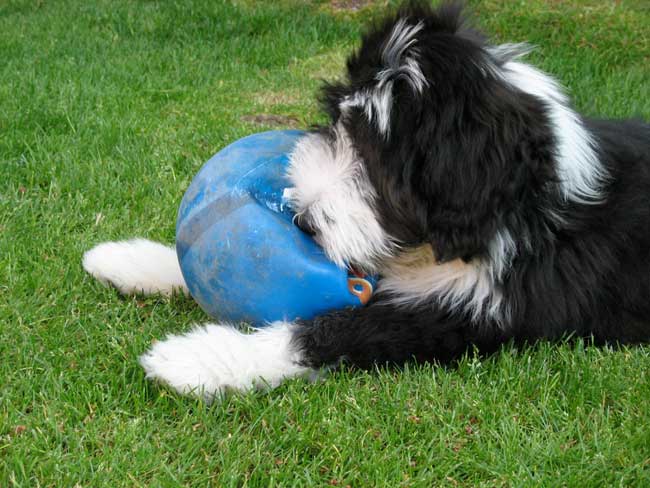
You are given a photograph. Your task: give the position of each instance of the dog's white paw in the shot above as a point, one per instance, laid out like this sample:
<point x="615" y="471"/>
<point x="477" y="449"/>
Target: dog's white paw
<point x="136" y="266"/>
<point x="212" y="359"/>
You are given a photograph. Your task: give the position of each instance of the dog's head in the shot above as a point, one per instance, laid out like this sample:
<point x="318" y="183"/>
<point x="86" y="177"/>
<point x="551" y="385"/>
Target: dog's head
<point x="436" y="138"/>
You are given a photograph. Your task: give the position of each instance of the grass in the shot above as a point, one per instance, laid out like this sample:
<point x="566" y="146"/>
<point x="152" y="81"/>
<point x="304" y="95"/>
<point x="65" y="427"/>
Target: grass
<point x="108" y="110"/>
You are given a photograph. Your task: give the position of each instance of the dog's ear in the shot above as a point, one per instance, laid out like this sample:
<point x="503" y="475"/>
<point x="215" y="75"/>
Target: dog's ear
<point x="486" y="163"/>
<point x="398" y="62"/>
<point x="417" y="28"/>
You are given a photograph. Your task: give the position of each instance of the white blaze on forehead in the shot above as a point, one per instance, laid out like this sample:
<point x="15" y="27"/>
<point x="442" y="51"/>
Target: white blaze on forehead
<point x="399" y="61"/>
<point x="332" y="190"/>
<point x="580" y="170"/>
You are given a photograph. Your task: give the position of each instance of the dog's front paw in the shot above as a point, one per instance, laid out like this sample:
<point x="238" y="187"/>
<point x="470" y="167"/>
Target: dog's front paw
<point x="213" y="359"/>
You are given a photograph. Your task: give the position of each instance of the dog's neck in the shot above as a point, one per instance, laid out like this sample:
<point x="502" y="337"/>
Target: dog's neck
<point x="416" y="277"/>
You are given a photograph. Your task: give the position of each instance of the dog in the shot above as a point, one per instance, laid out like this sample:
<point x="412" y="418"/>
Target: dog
<point x="460" y="174"/>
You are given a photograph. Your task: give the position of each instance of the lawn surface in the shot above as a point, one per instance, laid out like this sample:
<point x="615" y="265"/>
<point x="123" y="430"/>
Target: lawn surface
<point x="107" y="110"/>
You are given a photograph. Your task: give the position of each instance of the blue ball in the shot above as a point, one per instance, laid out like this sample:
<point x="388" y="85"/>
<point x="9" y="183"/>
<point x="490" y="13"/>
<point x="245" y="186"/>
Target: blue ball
<point x="242" y="257"/>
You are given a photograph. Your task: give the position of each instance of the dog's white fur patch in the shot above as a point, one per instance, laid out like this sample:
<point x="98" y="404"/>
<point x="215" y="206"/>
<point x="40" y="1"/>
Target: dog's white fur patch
<point x="415" y="277"/>
<point x="376" y="104"/>
<point x="579" y="168"/>
<point x="399" y="59"/>
<point x="136" y="266"/>
<point x="213" y="359"/>
<point x="332" y="190"/>
<point x="510" y="51"/>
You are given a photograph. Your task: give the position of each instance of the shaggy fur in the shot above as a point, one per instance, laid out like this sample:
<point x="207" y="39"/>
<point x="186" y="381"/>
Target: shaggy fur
<point x="490" y="208"/>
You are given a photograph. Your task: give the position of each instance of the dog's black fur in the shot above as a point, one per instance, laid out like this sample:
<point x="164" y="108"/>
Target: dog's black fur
<point x="490" y="209"/>
<point x="470" y="156"/>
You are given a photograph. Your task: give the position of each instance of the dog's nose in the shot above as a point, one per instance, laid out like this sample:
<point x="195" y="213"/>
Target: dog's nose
<point x="305" y="225"/>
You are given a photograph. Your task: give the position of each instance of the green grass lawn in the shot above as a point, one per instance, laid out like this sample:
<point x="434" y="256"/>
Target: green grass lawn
<point x="107" y="110"/>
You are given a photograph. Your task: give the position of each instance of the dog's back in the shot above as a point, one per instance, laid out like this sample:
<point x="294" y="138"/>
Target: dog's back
<point x="625" y="149"/>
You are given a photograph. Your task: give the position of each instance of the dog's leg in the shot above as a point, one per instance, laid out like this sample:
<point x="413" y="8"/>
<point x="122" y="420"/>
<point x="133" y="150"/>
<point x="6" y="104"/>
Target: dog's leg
<point x="136" y="266"/>
<point x="213" y="359"/>
<point x="385" y="334"/>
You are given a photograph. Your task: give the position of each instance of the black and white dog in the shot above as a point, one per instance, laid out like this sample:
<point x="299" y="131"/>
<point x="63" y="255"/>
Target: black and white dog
<point x="460" y="174"/>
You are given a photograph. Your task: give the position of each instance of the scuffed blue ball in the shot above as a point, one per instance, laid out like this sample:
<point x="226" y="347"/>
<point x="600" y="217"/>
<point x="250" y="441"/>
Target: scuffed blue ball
<point x="242" y="257"/>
